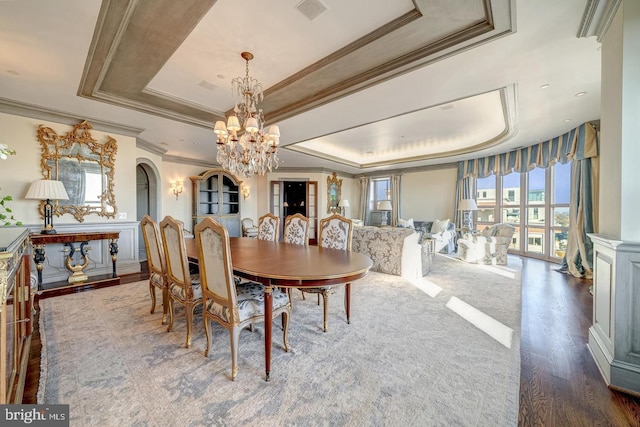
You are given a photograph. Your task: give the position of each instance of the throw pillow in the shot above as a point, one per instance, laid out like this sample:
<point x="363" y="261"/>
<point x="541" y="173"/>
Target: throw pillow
<point x="440" y="226"/>
<point x="405" y="223"/>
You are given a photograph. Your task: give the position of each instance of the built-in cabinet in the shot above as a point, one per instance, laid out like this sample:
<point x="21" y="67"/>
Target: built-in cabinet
<point x="16" y="313"/>
<point x="216" y="194"/>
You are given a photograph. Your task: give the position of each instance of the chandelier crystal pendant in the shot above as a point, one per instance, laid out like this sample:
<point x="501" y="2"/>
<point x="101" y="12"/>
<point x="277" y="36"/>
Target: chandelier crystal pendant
<point x="255" y="151"/>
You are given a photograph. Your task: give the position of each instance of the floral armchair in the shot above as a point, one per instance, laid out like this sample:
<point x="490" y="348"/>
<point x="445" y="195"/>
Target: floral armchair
<point x="488" y="247"/>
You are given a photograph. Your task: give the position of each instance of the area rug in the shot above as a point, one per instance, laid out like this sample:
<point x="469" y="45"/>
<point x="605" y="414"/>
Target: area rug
<point x="406" y="358"/>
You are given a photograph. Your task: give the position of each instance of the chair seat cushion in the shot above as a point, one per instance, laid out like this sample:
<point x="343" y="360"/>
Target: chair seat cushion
<point x="156" y="279"/>
<point x="316" y="290"/>
<point x="250" y="302"/>
<point x="178" y="291"/>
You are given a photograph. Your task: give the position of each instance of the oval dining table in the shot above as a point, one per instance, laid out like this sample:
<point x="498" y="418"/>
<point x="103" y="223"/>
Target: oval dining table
<point x="284" y="265"/>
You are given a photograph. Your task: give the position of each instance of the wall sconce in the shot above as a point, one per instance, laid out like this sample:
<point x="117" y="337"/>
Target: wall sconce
<point x="246" y="191"/>
<point x="177" y="187"/>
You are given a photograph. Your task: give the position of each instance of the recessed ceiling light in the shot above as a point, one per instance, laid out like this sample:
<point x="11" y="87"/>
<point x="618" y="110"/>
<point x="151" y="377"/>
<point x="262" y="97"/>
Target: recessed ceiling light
<point x="581" y="94"/>
<point x="545" y="86"/>
<point x="567" y="120"/>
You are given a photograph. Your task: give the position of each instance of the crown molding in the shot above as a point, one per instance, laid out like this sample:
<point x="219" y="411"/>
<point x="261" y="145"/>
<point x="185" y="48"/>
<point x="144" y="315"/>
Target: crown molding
<point x="149" y="147"/>
<point x="23" y="109"/>
<point x="188" y="161"/>
<point x="597" y="17"/>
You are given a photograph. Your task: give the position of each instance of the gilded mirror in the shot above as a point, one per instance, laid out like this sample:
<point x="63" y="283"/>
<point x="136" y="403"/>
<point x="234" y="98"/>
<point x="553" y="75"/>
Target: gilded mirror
<point x="85" y="167"/>
<point x="334" y="193"/>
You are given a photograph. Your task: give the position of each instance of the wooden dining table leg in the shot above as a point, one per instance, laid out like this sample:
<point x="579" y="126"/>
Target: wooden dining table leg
<point x="347" y="301"/>
<point x="268" y="315"/>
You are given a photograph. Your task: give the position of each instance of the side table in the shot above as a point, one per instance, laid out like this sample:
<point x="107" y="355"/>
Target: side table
<point x="427" y="251"/>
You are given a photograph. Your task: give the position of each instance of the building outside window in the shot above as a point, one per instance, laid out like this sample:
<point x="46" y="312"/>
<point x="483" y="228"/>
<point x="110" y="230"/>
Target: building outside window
<point x="499" y="200"/>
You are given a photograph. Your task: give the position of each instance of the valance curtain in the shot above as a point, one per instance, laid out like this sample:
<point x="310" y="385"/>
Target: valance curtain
<point x="579" y="145"/>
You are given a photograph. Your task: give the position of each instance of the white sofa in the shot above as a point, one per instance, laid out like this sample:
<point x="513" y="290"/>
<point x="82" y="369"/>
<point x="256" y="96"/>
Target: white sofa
<point x="393" y="250"/>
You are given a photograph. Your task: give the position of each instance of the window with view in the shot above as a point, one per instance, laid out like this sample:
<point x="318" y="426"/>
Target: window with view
<point x="541" y="215"/>
<point x="380" y="190"/>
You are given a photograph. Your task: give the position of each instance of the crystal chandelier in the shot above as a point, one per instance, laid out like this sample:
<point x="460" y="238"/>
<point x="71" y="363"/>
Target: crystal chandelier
<point x="255" y="151"/>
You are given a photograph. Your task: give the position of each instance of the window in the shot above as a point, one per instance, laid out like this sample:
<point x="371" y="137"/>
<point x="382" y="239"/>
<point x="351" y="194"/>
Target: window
<point x="486" y="201"/>
<point x="536" y="183"/>
<point x="561" y="199"/>
<point x="536" y="203"/>
<point x="381" y="190"/>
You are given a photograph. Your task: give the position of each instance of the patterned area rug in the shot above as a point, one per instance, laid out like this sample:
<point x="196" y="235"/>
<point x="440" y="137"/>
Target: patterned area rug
<point x="405" y="359"/>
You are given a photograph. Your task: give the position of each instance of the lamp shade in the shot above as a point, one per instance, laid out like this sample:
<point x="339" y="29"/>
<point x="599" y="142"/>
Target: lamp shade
<point x="384" y="205"/>
<point x="467" y="205"/>
<point x="344" y="203"/>
<point x="43" y="189"/>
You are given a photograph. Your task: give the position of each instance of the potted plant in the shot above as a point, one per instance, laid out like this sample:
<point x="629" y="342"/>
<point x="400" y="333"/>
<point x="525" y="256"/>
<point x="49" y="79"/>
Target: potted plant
<point x="6" y="214"/>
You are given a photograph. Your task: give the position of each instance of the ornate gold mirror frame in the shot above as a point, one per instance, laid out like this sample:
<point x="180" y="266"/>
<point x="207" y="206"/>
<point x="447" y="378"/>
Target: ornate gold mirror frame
<point x="85" y="167"/>
<point x="334" y="193"/>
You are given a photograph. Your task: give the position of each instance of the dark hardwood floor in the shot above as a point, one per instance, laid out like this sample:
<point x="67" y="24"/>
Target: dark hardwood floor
<point x="560" y="384"/>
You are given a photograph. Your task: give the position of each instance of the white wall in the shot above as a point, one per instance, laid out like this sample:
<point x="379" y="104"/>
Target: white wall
<point x="429" y="195"/>
<point x="19" y="171"/>
<point x="620" y="127"/>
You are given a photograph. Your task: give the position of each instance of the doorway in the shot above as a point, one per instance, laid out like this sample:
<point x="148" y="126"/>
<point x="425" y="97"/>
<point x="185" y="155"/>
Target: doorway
<point x="291" y="197"/>
<point x="147" y="198"/>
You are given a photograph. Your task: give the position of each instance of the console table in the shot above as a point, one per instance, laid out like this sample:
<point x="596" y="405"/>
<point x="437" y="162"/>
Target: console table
<point x="77" y="243"/>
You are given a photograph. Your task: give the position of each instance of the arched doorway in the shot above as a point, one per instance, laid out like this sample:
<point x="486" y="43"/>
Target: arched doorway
<point x="147" y="197"/>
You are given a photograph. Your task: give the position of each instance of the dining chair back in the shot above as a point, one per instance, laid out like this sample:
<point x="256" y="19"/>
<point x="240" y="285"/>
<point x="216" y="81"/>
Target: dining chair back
<point x="184" y="287"/>
<point x="335" y="233"/>
<point x="232" y="306"/>
<point x="155" y="264"/>
<point x="296" y="229"/>
<point x="268" y="227"/>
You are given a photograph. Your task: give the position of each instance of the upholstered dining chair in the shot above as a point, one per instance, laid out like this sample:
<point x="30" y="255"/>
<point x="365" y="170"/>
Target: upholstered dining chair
<point x="296" y="229"/>
<point x="335" y="233"/>
<point x="268" y="227"/>
<point x="156" y="264"/>
<point x="184" y="287"/>
<point x="232" y="306"/>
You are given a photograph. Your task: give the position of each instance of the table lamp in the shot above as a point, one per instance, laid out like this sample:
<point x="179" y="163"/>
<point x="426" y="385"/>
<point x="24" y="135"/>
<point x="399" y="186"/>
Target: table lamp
<point x="467" y="206"/>
<point x="344" y="203"/>
<point x="47" y="189"/>
<point x="385" y="207"/>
